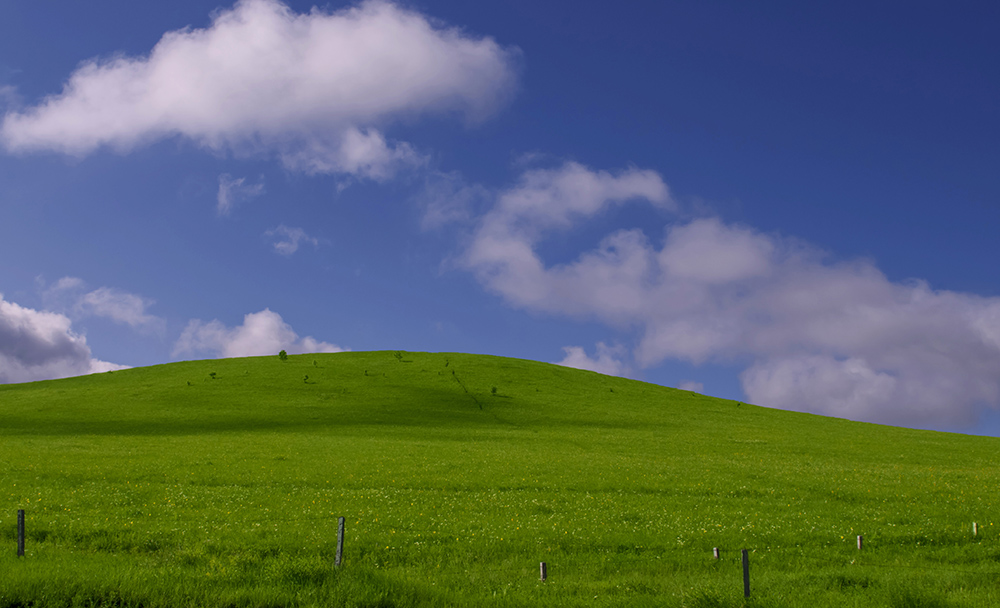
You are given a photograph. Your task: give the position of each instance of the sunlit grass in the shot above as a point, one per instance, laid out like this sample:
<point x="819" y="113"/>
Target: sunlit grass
<point x="171" y="486"/>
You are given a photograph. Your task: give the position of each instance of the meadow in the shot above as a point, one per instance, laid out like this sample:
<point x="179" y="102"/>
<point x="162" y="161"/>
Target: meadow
<point x="219" y="483"/>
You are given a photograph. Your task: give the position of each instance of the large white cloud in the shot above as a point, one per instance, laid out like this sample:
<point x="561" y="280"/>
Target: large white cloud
<point x="314" y="88"/>
<point x="262" y="333"/>
<point x="816" y="335"/>
<point x="40" y="345"/>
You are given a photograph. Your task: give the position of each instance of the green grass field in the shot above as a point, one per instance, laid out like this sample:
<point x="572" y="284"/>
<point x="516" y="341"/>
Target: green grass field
<point x="219" y="483"/>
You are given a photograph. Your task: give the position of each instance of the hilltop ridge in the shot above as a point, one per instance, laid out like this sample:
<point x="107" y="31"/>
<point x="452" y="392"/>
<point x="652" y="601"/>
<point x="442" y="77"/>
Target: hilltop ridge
<point x="186" y="482"/>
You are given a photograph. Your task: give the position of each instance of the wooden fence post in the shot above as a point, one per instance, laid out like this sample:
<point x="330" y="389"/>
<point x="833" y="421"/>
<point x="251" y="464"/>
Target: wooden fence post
<point x="860" y="541"/>
<point x="975" y="528"/>
<point x="20" y="532"/>
<point x="543" y="571"/>
<point x="340" y="541"/>
<point x="746" y="574"/>
<point x="715" y="552"/>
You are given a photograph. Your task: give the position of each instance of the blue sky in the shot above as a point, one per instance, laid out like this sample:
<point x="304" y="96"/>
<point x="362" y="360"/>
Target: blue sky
<point x="785" y="203"/>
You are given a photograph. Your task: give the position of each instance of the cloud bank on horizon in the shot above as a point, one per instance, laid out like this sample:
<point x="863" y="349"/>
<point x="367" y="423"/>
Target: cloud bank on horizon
<point x="262" y="333"/>
<point x="42" y="345"/>
<point x="38" y="345"/>
<point x="319" y="91"/>
<point x="829" y="337"/>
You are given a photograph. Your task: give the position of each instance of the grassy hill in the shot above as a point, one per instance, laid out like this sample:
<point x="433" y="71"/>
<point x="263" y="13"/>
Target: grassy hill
<point x="219" y="483"/>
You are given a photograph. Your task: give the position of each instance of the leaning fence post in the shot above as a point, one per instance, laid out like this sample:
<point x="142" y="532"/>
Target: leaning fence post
<point x="746" y="574"/>
<point x="542" y="571"/>
<point x="20" y="532"/>
<point x="340" y="541"/>
<point x="715" y="552"/>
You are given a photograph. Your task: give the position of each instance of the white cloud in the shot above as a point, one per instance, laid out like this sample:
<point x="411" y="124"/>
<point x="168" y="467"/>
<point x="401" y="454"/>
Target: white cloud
<point x="70" y="294"/>
<point x="364" y="154"/>
<point x="313" y="88"/>
<point x="262" y="333"/>
<point x="235" y="190"/>
<point x="289" y="239"/>
<point x="608" y="360"/>
<point x="712" y="253"/>
<point x="503" y="256"/>
<point x="694" y="387"/>
<point x="547" y="199"/>
<point x="40" y="345"/>
<point x="834" y="338"/>
<point x="99" y="367"/>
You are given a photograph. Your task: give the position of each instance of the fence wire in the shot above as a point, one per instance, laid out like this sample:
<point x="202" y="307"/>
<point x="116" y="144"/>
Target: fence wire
<point x="368" y="532"/>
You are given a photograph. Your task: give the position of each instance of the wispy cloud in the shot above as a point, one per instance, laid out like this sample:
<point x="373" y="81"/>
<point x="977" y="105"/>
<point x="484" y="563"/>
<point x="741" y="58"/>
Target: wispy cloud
<point x="287" y="240"/>
<point x="694" y="387"/>
<point x="41" y="345"/>
<point x="315" y="89"/>
<point x="120" y="306"/>
<point x="446" y="198"/>
<point x="70" y="295"/>
<point x="235" y="190"/>
<point x="9" y="96"/>
<point x="262" y="333"/>
<point x="831" y="337"/>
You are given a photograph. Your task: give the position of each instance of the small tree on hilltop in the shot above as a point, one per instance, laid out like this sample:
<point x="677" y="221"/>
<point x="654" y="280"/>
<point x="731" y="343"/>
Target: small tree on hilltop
<point x="283" y="355"/>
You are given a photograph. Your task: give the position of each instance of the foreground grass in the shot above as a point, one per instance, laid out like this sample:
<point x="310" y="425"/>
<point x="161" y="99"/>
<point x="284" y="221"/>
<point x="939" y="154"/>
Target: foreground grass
<point x="219" y="483"/>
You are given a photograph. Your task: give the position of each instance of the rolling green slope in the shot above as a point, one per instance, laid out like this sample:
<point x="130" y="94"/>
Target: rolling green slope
<point x="219" y="483"/>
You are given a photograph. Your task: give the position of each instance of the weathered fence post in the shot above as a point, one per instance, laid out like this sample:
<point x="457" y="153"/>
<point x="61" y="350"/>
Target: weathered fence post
<point x="543" y="571"/>
<point x="860" y="541"/>
<point x="20" y="532"/>
<point x="975" y="528"/>
<point x="715" y="552"/>
<point x="746" y="574"/>
<point x="340" y="541"/>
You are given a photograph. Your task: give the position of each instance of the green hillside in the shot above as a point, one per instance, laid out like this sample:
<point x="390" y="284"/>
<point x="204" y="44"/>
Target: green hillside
<point x="219" y="483"/>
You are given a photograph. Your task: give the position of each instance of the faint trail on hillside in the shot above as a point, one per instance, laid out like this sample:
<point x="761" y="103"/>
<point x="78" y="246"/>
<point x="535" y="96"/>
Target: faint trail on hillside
<point x="453" y="375"/>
